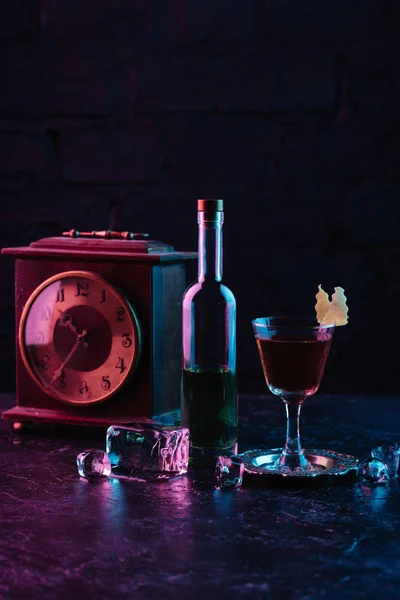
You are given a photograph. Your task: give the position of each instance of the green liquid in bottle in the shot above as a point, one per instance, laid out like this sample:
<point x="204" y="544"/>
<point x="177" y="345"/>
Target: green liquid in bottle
<point x="210" y="407"/>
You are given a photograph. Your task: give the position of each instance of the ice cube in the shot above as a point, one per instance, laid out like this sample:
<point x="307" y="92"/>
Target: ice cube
<point x="229" y="472"/>
<point x="148" y="451"/>
<point x="373" y="470"/>
<point x="389" y="454"/>
<point x="93" y="464"/>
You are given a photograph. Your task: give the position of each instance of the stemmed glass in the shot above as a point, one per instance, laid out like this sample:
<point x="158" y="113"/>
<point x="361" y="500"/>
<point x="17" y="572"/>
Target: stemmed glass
<point x="293" y="353"/>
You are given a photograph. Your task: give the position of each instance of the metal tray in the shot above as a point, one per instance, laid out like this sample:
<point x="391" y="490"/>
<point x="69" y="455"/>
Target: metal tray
<point x="327" y="465"/>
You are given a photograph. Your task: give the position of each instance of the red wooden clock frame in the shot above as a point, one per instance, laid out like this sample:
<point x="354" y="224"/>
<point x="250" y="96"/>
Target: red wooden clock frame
<point x="152" y="277"/>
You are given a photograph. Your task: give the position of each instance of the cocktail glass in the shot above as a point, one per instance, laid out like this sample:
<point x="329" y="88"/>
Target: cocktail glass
<point x="293" y="353"/>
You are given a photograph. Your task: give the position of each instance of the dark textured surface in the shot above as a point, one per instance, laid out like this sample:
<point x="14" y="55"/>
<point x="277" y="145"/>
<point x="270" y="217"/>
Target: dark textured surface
<point x="62" y="537"/>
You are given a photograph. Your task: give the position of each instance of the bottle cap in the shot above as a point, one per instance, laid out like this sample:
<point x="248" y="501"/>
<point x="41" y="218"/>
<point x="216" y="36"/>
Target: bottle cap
<point x="210" y="205"/>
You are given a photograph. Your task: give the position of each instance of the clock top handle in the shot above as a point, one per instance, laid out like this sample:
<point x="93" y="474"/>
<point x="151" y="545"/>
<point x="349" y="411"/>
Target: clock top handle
<point x="107" y="234"/>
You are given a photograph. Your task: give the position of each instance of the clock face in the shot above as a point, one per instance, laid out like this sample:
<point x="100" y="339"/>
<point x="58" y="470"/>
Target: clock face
<point x="79" y="338"/>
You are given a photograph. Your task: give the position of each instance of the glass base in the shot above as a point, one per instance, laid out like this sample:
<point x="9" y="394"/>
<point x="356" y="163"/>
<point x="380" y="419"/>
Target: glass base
<point x="319" y="463"/>
<point x="206" y="457"/>
<point x="293" y="460"/>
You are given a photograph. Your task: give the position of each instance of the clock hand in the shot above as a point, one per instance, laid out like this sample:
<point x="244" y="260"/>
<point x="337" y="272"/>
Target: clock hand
<point x="58" y="372"/>
<point x="66" y="321"/>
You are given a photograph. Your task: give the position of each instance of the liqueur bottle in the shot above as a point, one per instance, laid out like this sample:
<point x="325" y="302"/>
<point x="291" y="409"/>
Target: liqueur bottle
<point x="209" y="389"/>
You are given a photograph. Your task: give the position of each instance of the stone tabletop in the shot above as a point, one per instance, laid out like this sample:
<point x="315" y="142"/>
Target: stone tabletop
<point x="62" y="537"/>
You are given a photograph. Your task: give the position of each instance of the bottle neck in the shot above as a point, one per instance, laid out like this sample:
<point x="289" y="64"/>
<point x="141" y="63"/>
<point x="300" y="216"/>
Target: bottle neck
<point x="210" y="245"/>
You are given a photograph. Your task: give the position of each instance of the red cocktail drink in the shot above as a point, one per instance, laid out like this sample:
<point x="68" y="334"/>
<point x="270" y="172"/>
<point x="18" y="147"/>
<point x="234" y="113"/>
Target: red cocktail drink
<point x="293" y="352"/>
<point x="293" y="365"/>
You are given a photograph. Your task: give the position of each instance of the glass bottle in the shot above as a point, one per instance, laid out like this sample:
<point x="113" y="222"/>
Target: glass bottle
<point x="209" y="389"/>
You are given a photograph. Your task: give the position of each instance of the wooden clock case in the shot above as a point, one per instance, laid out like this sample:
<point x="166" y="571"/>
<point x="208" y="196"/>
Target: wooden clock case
<point x="152" y="276"/>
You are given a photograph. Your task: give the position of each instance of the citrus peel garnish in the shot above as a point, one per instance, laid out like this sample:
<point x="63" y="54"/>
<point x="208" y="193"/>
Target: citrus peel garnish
<point x="331" y="311"/>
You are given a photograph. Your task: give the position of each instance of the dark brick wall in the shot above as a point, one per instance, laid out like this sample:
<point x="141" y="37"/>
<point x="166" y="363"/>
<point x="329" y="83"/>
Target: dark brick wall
<point x="122" y="112"/>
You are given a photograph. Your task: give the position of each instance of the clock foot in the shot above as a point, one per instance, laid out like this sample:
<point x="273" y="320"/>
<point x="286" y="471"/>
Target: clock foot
<point x="21" y="427"/>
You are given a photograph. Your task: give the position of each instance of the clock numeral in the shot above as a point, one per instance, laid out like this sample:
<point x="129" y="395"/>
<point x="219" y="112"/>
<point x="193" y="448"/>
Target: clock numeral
<point x="126" y="340"/>
<point x="39" y="337"/>
<point x="105" y="382"/>
<point x="60" y="295"/>
<point x="84" y="387"/>
<point x="120" y="365"/>
<point x="82" y="288"/>
<point x="103" y="296"/>
<point x="46" y="362"/>
<point x="45" y="313"/>
<point x="120" y="314"/>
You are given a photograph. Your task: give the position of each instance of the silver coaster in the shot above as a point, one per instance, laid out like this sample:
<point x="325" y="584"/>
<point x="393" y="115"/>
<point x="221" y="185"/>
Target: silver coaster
<point x="324" y="464"/>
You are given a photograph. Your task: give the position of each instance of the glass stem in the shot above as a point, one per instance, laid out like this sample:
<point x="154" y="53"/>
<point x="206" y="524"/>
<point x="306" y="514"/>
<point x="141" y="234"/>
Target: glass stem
<point x="292" y="454"/>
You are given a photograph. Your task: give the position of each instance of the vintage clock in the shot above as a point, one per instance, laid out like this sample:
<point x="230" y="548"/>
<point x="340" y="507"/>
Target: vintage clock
<point x="98" y="320"/>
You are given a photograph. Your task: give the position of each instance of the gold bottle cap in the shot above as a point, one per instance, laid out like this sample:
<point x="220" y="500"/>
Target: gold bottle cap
<point x="210" y="205"/>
